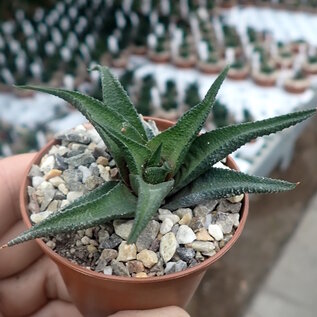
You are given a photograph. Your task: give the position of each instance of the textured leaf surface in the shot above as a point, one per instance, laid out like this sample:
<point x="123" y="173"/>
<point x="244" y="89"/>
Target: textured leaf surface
<point x="155" y="158"/>
<point x="81" y="215"/>
<point x="150" y="198"/>
<point x="135" y="154"/>
<point x="215" y="145"/>
<point x="177" y="139"/>
<point x="157" y="174"/>
<point x="94" y="110"/>
<point x="116" y="98"/>
<point x="221" y="183"/>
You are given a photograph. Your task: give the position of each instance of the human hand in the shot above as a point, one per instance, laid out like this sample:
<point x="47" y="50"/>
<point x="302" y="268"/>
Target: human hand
<point x="30" y="283"/>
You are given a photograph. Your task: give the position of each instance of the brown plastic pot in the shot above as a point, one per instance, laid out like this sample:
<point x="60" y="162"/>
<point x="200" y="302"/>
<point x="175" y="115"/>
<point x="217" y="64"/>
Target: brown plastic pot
<point x="96" y="294"/>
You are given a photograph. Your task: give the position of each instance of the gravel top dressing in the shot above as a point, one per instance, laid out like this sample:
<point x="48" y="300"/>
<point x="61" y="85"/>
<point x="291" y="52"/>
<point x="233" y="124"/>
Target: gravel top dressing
<point x="172" y="240"/>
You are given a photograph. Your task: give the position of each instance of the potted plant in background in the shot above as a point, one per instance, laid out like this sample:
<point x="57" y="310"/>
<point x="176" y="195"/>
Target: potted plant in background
<point x="239" y="70"/>
<point x="298" y="83"/>
<point x="310" y="66"/>
<point x="172" y="170"/>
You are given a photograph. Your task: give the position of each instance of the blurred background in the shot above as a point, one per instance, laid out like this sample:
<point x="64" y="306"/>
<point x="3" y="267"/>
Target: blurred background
<point x="167" y="54"/>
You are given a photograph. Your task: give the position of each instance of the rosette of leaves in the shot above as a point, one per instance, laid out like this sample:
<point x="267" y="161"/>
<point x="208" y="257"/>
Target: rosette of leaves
<point x="173" y="169"/>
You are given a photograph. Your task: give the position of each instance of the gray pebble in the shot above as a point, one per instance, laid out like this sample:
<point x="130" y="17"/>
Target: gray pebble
<point x="180" y="266"/>
<point x="92" y="182"/>
<point x="186" y="254"/>
<point x="80" y="159"/>
<point x="197" y="223"/>
<point x="201" y="211"/>
<point x="77" y="137"/>
<point x="119" y="268"/>
<point x="35" y="171"/>
<point x="110" y="243"/>
<point x="169" y="268"/>
<point x="226" y="206"/>
<point x="148" y="235"/>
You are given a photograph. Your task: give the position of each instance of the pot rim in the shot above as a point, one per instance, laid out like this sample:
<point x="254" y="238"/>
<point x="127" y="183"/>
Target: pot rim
<point x="120" y="279"/>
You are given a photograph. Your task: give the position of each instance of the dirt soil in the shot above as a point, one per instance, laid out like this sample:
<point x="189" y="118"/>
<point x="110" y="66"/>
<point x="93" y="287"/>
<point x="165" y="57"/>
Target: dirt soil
<point x="229" y="285"/>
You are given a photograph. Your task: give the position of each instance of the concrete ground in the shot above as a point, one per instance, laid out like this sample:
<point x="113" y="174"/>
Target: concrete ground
<point x="271" y="269"/>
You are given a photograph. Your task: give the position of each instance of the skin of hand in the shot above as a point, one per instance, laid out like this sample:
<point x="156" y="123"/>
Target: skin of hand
<point x="30" y="283"/>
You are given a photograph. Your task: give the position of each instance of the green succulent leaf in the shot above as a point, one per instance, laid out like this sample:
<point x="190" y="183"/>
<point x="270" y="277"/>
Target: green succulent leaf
<point x="150" y="198"/>
<point x="94" y="110"/>
<point x="177" y="139"/>
<point x="157" y="174"/>
<point x="135" y="154"/>
<point x="221" y="183"/>
<point x="96" y="208"/>
<point x="155" y="158"/>
<point x="215" y="145"/>
<point x="116" y="98"/>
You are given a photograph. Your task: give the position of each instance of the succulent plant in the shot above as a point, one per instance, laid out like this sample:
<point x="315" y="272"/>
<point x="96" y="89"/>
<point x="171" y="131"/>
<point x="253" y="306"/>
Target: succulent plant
<point x="172" y="169"/>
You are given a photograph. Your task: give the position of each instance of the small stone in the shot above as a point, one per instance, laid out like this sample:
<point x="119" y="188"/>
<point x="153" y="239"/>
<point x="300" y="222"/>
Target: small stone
<point x="91" y="248"/>
<point x="80" y="159"/>
<point x="119" y="268"/>
<point x="215" y="231"/>
<point x="235" y="219"/>
<point x="111" y="242"/>
<point x="53" y="206"/>
<point x="92" y="182"/>
<point x="203" y="246"/>
<point x="201" y="211"/>
<point x="71" y="196"/>
<point x="210" y="205"/>
<point x="114" y="172"/>
<point x="47" y="163"/>
<point x="226" y="206"/>
<point x="93" y="168"/>
<point x="85" y="240"/>
<point x="155" y="246"/>
<point x="168" y="246"/>
<point x="236" y="199"/>
<point x="56" y="181"/>
<point x="148" y="235"/>
<point x="102" y="235"/>
<point x="186" y="219"/>
<point x="40" y="216"/>
<point x="53" y="173"/>
<point x="45" y="193"/>
<point x="162" y="211"/>
<point x="166" y="226"/>
<point x="86" y="172"/>
<point x="199" y="257"/>
<point x="192" y="263"/>
<point x="203" y="235"/>
<point x="72" y="176"/>
<point x="209" y="254"/>
<point x="107" y="270"/>
<point x="175" y="228"/>
<point x="104" y="173"/>
<point x="112" y="163"/>
<point x="148" y="258"/>
<point x="33" y="203"/>
<point x="180" y="266"/>
<point x="108" y="255"/>
<point x="35" y="171"/>
<point x="64" y="203"/>
<point x="181" y="212"/>
<point x="185" y="235"/>
<point x="51" y="244"/>
<point x="37" y="181"/>
<point x="185" y="254"/>
<point x="158" y="268"/>
<point x="102" y="161"/>
<point x="123" y="228"/>
<point x="225" y="222"/>
<point x="60" y="162"/>
<point x="63" y="188"/>
<point x="135" y="266"/>
<point x="169" y="268"/>
<point x="225" y="240"/>
<point x="172" y="217"/>
<point x="197" y="223"/>
<point x="78" y="147"/>
<point x="89" y="232"/>
<point x="127" y="252"/>
<point x="75" y="137"/>
<point x="59" y="195"/>
<point x="99" y="151"/>
<point x="141" y="275"/>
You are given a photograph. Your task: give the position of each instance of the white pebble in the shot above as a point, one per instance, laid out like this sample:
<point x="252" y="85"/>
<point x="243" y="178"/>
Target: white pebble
<point x="216" y="232"/>
<point x="168" y="246"/>
<point x="236" y="199"/>
<point x="185" y="235"/>
<point x="71" y="196"/>
<point x="40" y="216"/>
<point x="37" y="181"/>
<point x="166" y="226"/>
<point x="47" y="163"/>
<point x="107" y="270"/>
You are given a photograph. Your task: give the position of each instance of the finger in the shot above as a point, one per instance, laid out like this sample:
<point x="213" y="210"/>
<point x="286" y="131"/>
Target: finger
<point x="170" y="311"/>
<point x="17" y="258"/>
<point x="58" y="308"/>
<point x="27" y="292"/>
<point x="11" y="175"/>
